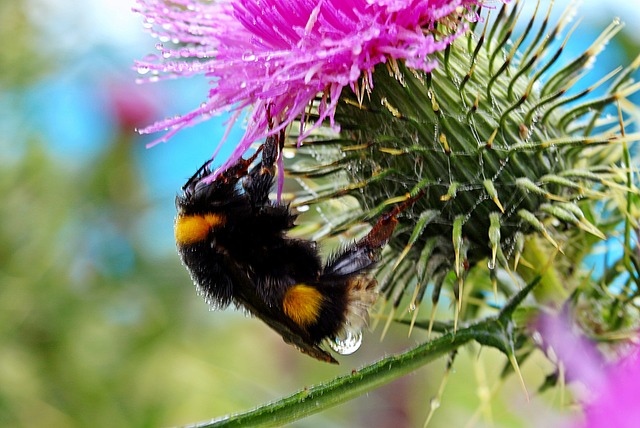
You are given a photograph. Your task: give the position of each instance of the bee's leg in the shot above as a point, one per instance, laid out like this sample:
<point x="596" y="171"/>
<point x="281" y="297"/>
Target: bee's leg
<point x="384" y="227"/>
<point x="259" y="181"/>
<point x="271" y="150"/>
<point x="365" y="253"/>
<point x="203" y="171"/>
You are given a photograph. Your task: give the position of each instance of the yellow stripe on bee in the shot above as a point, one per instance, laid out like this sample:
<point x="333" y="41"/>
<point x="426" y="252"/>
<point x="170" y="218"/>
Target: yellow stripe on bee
<point x="190" y="229"/>
<point x="302" y="304"/>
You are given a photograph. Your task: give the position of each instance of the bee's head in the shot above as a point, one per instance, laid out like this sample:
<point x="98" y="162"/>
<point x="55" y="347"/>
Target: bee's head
<point x="208" y="188"/>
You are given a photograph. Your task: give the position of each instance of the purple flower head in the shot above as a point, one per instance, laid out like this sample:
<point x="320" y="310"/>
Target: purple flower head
<point x="278" y="56"/>
<point x="612" y="388"/>
<point x="580" y="357"/>
<point x="616" y="402"/>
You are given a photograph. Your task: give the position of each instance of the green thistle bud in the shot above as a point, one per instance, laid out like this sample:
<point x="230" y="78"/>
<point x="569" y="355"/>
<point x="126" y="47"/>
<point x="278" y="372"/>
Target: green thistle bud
<point x="499" y="149"/>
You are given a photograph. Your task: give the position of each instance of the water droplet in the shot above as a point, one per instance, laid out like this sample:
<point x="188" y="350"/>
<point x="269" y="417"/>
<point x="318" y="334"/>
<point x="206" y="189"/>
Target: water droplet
<point x="348" y="344"/>
<point x="412" y="307"/>
<point x="248" y="56"/>
<point x="491" y="264"/>
<point x="435" y="403"/>
<point x="143" y="69"/>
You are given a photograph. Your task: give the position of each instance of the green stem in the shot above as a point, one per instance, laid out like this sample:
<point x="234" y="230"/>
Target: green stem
<point x="628" y="244"/>
<point x="341" y="389"/>
<point x="492" y="331"/>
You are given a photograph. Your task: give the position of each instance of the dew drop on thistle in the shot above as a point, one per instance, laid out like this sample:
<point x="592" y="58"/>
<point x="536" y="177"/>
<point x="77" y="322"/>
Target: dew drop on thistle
<point x="346" y="343"/>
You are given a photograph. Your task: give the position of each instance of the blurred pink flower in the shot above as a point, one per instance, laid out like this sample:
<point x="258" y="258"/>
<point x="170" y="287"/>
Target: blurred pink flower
<point x="616" y="402"/>
<point x="282" y="54"/>
<point x="130" y="106"/>
<point x="612" y="388"/>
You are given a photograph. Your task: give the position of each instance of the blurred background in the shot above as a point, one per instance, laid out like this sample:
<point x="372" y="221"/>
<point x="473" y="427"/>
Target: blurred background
<point x="99" y="323"/>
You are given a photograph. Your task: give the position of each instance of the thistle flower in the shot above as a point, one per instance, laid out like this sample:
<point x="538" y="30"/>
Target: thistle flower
<point x="283" y="53"/>
<point x="615" y="404"/>
<point x="611" y="388"/>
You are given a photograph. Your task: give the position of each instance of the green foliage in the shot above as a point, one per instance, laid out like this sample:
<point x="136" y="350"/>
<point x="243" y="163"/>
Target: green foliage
<point x="18" y="41"/>
<point x="82" y="306"/>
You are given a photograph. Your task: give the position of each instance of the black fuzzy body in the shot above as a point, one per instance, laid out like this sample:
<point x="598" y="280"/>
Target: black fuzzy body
<point x="249" y="260"/>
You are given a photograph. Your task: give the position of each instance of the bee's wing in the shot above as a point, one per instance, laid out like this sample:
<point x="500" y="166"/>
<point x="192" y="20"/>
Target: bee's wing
<point x="296" y="340"/>
<point x="246" y="295"/>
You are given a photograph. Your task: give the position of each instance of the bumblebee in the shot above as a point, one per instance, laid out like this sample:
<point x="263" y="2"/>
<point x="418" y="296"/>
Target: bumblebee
<point x="233" y="240"/>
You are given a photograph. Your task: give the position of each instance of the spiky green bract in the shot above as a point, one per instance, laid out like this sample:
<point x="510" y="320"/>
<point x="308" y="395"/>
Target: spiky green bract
<point x="492" y="137"/>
